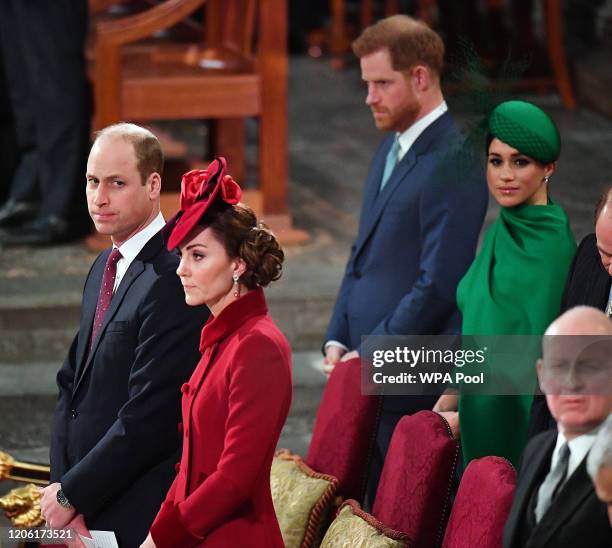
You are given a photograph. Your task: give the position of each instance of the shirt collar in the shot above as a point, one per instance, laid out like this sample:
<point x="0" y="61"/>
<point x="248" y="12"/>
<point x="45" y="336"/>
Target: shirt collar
<point x="132" y="247"/>
<point x="579" y="448"/>
<point x="407" y="138"/>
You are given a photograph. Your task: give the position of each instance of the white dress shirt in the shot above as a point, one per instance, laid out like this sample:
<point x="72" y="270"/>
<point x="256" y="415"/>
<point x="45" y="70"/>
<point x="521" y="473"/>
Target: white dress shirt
<point x="132" y="247"/>
<point x="409" y="136"/>
<point x="579" y="447"/>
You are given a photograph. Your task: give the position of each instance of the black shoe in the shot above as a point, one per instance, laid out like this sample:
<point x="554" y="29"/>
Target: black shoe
<point x="14" y="213"/>
<point x="46" y="230"/>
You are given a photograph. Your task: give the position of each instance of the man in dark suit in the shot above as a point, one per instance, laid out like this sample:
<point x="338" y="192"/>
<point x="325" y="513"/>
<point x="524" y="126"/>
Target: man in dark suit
<point x="115" y="441"/>
<point x="42" y="44"/>
<point x="590" y="276"/>
<point x="589" y="282"/>
<point x="555" y="505"/>
<point x="423" y="206"/>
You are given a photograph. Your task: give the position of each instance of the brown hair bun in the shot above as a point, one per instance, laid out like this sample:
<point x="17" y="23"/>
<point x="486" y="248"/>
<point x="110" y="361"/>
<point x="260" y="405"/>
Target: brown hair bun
<point x="263" y="256"/>
<point x="242" y="236"/>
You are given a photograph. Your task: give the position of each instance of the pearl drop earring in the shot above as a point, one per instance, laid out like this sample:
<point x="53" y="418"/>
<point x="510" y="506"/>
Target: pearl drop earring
<point x="235" y="277"/>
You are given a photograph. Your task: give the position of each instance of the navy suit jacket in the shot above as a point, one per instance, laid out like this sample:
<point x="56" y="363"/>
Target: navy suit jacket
<point x="575" y="518"/>
<point x="115" y="441"/>
<point x="416" y="240"/>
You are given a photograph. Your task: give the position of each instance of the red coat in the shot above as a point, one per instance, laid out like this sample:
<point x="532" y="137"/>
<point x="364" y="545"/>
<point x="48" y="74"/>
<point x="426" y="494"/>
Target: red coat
<point x="234" y="407"/>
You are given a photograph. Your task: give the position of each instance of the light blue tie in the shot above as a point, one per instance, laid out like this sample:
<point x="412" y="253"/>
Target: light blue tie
<point x="390" y="163"/>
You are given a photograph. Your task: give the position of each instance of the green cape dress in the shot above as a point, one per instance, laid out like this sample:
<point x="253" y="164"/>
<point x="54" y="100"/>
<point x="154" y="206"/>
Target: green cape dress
<point x="513" y="287"/>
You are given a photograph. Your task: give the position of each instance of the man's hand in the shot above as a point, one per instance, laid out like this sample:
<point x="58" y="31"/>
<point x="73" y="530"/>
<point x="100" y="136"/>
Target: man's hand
<point x="333" y="354"/>
<point x="56" y="516"/>
<point x="350" y="356"/>
<point x="148" y="543"/>
<point x="452" y="417"/>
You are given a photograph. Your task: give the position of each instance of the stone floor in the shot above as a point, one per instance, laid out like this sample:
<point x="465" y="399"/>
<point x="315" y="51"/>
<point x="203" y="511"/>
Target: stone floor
<point x="332" y="139"/>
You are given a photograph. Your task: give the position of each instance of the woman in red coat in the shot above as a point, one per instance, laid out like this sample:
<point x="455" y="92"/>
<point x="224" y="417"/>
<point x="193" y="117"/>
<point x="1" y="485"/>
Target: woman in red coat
<point x="237" y="400"/>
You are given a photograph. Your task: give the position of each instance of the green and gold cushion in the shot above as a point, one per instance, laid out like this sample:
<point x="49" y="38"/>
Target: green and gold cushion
<point x="303" y="500"/>
<point x="354" y="528"/>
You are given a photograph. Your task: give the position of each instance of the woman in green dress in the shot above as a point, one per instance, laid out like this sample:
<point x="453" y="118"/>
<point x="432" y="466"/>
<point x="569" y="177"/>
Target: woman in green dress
<point x="514" y="285"/>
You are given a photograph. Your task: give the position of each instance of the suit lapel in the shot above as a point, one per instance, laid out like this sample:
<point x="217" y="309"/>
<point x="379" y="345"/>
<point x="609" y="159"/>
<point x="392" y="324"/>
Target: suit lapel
<point x="135" y="269"/>
<point x="374" y="178"/>
<point x="378" y="201"/>
<point x="90" y="302"/>
<point x="534" y="471"/>
<point x="576" y="489"/>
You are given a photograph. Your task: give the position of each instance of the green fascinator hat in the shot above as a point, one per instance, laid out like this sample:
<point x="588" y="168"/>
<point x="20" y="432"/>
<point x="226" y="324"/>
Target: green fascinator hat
<point x="526" y="128"/>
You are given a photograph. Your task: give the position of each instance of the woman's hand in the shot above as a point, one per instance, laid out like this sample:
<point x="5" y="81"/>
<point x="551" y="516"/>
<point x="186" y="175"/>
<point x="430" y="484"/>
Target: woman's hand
<point x="447" y="402"/>
<point x="148" y="543"/>
<point x="452" y="417"/>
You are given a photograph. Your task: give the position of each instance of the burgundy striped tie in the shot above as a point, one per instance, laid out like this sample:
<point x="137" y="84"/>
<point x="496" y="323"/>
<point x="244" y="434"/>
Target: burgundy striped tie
<point x="106" y="294"/>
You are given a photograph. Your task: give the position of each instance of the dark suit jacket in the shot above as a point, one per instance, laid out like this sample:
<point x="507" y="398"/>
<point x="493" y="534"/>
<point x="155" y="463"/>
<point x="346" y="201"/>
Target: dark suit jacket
<point x="416" y="240"/>
<point x="575" y="518"/>
<point x="115" y="441"/>
<point x="588" y="282"/>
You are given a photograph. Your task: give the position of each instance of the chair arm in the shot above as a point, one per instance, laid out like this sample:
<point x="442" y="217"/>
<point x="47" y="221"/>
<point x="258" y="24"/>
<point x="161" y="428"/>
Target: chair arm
<point x="140" y="25"/>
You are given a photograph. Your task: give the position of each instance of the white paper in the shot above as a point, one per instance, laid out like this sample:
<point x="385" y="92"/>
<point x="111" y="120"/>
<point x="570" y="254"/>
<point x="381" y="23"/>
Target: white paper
<point x="100" y="539"/>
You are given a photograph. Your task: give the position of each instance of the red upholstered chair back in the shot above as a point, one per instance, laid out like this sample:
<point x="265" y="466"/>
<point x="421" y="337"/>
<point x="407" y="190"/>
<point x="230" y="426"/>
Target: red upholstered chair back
<point x="482" y="504"/>
<point x="414" y="490"/>
<point x="344" y="430"/>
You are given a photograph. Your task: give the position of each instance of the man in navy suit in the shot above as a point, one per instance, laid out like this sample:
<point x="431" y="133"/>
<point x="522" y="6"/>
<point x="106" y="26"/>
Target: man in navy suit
<point x="115" y="441"/>
<point x="423" y="206"/>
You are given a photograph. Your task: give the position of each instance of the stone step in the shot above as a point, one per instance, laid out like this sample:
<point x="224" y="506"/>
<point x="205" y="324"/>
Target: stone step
<point x="41" y="328"/>
<point x="45" y="332"/>
<point x="25" y="428"/>
<point x="38" y="378"/>
<point x="28" y="395"/>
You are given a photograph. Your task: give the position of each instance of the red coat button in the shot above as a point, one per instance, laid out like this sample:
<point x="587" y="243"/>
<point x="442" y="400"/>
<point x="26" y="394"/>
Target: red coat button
<point x="185" y="388"/>
<point x="177" y="467"/>
<point x="180" y="427"/>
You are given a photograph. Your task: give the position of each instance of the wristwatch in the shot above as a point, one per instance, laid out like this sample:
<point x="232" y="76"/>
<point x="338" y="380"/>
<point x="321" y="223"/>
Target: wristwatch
<point x="62" y="500"/>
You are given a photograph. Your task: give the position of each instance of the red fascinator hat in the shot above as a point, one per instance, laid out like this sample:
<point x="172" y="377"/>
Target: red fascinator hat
<point x="199" y="189"/>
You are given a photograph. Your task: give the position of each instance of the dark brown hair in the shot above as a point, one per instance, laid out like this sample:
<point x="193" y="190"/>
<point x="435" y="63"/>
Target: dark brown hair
<point x="236" y="227"/>
<point x="148" y="152"/>
<point x="410" y="42"/>
<point x="605" y="197"/>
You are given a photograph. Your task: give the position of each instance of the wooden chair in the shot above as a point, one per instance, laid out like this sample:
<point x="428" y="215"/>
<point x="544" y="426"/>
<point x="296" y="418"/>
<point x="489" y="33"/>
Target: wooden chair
<point x="238" y="70"/>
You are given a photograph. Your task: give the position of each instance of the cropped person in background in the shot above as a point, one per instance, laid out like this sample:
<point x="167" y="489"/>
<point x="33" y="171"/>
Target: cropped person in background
<point x="237" y="400"/>
<point x="42" y="44"/>
<point x="590" y="278"/>
<point x="515" y="284"/>
<point x="599" y="465"/>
